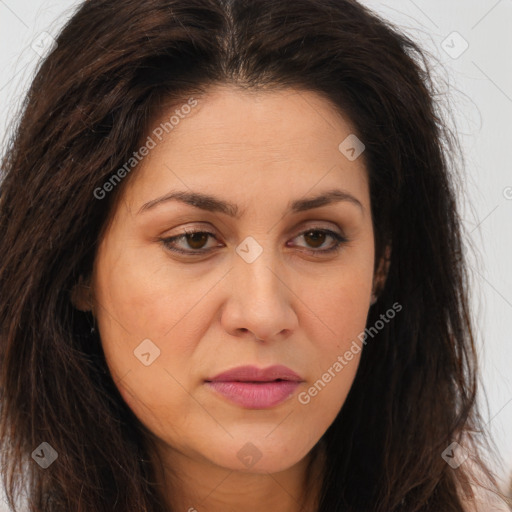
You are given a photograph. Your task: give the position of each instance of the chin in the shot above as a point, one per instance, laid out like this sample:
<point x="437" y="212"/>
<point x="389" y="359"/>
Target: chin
<point x="260" y="456"/>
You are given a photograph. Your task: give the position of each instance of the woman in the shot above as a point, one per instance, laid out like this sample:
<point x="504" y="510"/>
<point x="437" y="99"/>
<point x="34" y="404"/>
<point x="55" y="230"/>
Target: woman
<point x="232" y="273"/>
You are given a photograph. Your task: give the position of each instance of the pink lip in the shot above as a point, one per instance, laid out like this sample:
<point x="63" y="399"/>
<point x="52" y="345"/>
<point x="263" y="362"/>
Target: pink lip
<point x="255" y="388"/>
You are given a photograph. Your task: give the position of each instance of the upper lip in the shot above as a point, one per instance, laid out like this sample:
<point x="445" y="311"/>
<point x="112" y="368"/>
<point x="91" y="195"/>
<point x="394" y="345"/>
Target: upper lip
<point x="254" y="374"/>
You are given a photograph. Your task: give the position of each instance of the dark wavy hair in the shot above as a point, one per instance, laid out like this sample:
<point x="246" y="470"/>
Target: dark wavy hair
<point x="115" y="65"/>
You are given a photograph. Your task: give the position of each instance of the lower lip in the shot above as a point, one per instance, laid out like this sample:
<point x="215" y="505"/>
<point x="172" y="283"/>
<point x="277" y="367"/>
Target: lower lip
<point x="255" y="395"/>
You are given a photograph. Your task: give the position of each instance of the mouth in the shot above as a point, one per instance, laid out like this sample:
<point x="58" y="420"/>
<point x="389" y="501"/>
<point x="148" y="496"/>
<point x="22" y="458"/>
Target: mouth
<point x="254" y="388"/>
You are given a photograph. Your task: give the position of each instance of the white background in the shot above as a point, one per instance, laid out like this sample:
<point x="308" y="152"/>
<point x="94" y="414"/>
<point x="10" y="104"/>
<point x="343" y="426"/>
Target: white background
<point x="480" y="93"/>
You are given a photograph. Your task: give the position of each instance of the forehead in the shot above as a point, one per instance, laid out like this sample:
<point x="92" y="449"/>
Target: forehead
<point x="285" y="141"/>
<point x="275" y="120"/>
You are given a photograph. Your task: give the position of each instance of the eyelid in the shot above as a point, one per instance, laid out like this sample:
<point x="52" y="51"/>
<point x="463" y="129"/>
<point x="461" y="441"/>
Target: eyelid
<point x="339" y="240"/>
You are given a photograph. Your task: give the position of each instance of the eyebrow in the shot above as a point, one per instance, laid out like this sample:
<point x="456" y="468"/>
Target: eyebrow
<point x="214" y="204"/>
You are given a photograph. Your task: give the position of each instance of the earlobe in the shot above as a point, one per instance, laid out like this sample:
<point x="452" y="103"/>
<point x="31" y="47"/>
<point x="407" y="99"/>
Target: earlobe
<point x="81" y="295"/>
<point x="381" y="274"/>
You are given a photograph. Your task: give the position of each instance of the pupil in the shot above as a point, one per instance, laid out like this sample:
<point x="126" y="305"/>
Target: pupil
<point x="197" y="238"/>
<point x="318" y="239"/>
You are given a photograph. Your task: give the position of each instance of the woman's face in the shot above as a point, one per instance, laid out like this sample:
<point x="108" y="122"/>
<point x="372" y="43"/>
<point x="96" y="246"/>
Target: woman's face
<point x="263" y="178"/>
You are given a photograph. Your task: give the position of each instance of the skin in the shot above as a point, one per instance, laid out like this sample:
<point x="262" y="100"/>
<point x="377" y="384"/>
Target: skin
<point x="214" y="312"/>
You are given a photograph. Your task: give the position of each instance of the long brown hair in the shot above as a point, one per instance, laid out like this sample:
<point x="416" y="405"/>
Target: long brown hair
<point x="115" y="64"/>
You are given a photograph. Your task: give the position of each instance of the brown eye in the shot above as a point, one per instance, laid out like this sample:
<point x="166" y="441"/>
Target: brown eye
<point x="315" y="238"/>
<point x="194" y="243"/>
<point x="190" y="242"/>
<point x="196" y="240"/>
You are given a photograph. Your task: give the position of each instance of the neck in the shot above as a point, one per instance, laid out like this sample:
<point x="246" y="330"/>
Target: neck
<point x="193" y="485"/>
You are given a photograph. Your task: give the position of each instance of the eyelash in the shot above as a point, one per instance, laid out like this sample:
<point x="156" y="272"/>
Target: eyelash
<point x="339" y="241"/>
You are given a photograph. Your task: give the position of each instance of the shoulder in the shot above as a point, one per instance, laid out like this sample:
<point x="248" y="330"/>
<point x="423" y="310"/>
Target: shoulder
<point x="478" y="486"/>
<point x="485" y="500"/>
<point x="482" y="495"/>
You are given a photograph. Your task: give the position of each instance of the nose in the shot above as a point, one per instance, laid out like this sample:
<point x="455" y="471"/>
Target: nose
<point x="260" y="301"/>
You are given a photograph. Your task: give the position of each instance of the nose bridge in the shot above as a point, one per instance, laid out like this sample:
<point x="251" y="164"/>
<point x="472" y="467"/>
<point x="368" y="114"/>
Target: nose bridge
<point x="255" y="272"/>
<point x="259" y="301"/>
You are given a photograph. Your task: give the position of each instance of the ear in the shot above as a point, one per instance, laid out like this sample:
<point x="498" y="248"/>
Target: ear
<point x="81" y="295"/>
<point x="381" y="274"/>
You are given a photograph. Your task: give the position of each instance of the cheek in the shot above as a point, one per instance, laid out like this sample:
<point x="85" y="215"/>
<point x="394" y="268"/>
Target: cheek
<point x="138" y="299"/>
<point x="335" y="360"/>
<point x="146" y="293"/>
<point x="147" y="335"/>
<point x="135" y="296"/>
<point x="324" y="396"/>
<point x="339" y="306"/>
<point x="340" y="309"/>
